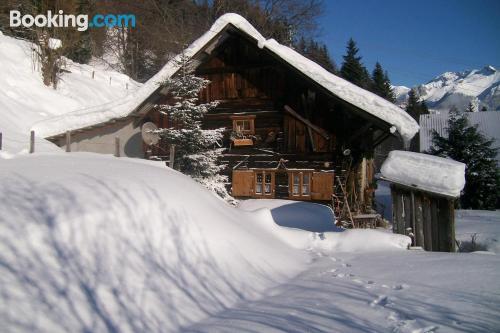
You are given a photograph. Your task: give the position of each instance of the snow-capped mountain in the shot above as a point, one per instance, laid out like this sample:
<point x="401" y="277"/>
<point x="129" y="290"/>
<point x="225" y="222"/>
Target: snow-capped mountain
<point x="479" y="86"/>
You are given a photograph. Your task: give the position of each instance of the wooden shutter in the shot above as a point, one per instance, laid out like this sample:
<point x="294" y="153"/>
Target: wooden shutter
<point x="322" y="185"/>
<point x="243" y="183"/>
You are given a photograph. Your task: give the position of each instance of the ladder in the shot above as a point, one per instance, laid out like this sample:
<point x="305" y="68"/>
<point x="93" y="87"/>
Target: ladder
<point x="340" y="202"/>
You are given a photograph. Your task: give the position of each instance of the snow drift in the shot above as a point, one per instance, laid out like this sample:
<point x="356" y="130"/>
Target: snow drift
<point x="429" y="173"/>
<point x="93" y="243"/>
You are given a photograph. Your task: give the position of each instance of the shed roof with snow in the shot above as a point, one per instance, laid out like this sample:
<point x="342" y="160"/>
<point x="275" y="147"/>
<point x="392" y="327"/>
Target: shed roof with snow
<point x="139" y="101"/>
<point x="425" y="172"/>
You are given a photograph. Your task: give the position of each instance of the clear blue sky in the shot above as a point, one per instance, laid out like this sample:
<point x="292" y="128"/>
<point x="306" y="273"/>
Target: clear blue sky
<point x="415" y="40"/>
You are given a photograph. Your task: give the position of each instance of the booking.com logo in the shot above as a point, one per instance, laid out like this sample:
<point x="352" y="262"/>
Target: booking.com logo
<point x="61" y="20"/>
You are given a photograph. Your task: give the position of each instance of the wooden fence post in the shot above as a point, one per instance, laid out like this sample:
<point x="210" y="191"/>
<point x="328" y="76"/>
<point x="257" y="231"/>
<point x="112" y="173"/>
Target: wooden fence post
<point x="32" y="142"/>
<point x="117" y="146"/>
<point x="0" y="140"/>
<point x="68" y="141"/>
<point x="172" y="156"/>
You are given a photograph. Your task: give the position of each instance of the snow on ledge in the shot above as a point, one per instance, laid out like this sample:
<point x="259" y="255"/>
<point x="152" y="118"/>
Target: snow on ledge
<point x="406" y="126"/>
<point x="427" y="172"/>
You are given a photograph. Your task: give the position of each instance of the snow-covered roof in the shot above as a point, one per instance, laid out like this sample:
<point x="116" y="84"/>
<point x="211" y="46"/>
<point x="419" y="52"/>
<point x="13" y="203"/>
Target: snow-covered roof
<point x="339" y="87"/>
<point x="488" y="122"/>
<point x="426" y="172"/>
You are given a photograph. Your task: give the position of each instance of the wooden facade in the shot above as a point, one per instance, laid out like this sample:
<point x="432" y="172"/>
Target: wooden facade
<point x="428" y="218"/>
<point x="285" y="136"/>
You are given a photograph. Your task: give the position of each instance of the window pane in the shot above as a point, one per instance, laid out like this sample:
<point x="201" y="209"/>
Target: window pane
<point x="246" y="125"/>
<point x="306" y="178"/>
<point x="259" y="178"/>
<point x="268" y="179"/>
<point x="268" y="188"/>
<point x="296" y="179"/>
<point x="258" y="188"/>
<point x="295" y="189"/>
<point x="305" y="189"/>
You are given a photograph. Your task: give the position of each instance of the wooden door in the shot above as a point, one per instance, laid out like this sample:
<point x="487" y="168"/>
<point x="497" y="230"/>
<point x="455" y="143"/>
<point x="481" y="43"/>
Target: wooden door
<point x="322" y="186"/>
<point x="243" y="183"/>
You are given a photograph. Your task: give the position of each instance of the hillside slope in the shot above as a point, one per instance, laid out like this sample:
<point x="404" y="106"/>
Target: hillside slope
<point x="25" y="100"/>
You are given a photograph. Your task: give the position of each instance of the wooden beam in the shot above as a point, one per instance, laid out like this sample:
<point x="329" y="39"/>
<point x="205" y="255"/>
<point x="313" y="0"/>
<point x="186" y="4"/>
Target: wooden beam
<point x="359" y="132"/>
<point x="381" y="138"/>
<point x="317" y="129"/>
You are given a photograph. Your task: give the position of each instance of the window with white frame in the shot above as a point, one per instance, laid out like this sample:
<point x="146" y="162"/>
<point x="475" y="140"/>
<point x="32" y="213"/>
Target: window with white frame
<point x="300" y="183"/>
<point x="264" y="183"/>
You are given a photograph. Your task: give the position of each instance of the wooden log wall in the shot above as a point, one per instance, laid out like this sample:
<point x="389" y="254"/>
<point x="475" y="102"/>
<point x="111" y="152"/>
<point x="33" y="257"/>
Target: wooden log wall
<point x="430" y="218"/>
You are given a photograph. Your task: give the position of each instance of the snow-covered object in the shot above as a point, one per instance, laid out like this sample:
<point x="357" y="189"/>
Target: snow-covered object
<point x="426" y="172"/>
<point x="481" y="87"/>
<point x="345" y="90"/>
<point x="55" y="43"/>
<point x="300" y="216"/>
<point x="94" y="243"/>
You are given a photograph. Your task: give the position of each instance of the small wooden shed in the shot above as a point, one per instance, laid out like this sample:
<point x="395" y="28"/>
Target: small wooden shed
<point x="423" y="190"/>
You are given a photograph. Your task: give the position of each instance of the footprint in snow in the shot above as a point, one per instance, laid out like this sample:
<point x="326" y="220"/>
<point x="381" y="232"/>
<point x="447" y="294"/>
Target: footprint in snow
<point x="428" y="329"/>
<point x="346" y="265"/>
<point x="401" y="286"/>
<point x="369" y="284"/>
<point x="382" y="300"/>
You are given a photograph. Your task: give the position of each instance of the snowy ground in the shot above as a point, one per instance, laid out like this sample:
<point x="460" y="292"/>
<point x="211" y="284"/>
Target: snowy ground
<point x="376" y="292"/>
<point x="95" y="243"/>
<point x="484" y="224"/>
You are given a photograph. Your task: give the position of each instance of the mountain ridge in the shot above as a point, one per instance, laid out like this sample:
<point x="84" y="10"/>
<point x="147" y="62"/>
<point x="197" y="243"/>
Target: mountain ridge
<point x="481" y="87"/>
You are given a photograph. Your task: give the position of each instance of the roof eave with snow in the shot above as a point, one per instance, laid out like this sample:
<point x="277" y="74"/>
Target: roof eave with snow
<point x="366" y="101"/>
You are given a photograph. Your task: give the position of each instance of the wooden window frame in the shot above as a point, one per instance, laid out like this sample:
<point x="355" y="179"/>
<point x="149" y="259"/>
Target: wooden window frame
<point x="291" y="184"/>
<point x="272" y="184"/>
<point x="251" y="121"/>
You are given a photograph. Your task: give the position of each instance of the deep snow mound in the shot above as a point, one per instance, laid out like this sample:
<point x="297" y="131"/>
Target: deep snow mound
<point x="299" y="219"/>
<point x="93" y="243"/>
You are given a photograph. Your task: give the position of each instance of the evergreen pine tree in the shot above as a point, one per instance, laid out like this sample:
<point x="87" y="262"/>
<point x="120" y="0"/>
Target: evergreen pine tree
<point x="381" y="85"/>
<point x="423" y="108"/>
<point x="470" y="107"/>
<point x="414" y="107"/>
<point x="352" y="69"/>
<point x="196" y="152"/>
<point x="317" y="53"/>
<point x="467" y="145"/>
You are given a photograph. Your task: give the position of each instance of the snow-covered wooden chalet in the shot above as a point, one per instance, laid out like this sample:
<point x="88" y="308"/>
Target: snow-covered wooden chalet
<point x="289" y="122"/>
